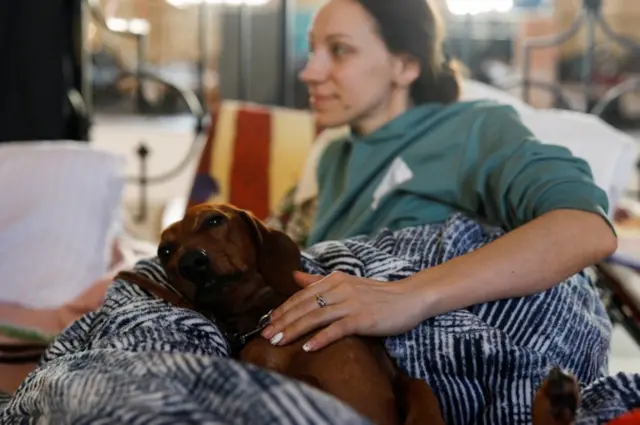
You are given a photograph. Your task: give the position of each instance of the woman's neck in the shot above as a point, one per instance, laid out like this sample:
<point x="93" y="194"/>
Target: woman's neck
<point x="396" y="105"/>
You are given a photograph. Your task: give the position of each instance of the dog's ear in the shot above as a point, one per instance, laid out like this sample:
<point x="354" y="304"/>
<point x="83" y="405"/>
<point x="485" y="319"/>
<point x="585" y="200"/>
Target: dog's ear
<point x="278" y="256"/>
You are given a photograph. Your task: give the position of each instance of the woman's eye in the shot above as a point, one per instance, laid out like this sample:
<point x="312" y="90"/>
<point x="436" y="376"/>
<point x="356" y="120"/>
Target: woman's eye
<point x="339" y="50"/>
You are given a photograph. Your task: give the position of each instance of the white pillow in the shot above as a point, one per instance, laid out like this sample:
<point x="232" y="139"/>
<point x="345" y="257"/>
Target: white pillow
<point x="475" y="90"/>
<point x="610" y="153"/>
<point x="60" y="207"/>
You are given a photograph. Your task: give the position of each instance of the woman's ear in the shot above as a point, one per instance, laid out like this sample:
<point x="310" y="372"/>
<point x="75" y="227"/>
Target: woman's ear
<point x="406" y="70"/>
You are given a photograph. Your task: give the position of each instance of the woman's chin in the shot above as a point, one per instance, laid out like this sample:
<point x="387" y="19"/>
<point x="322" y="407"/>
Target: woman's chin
<point x="327" y="120"/>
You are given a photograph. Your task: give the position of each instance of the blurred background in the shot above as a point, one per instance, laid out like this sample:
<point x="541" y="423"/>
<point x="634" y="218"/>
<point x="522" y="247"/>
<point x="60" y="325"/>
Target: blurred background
<point x="151" y="71"/>
<point x="253" y="49"/>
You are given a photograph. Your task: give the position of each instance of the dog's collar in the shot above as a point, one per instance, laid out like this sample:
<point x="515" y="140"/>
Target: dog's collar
<point x="240" y="339"/>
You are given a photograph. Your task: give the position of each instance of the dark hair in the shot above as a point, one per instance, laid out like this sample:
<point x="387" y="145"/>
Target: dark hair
<point x="414" y="28"/>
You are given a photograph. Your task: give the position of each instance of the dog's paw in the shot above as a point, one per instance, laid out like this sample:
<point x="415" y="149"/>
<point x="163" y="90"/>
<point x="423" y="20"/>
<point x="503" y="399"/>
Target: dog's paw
<point x="563" y="395"/>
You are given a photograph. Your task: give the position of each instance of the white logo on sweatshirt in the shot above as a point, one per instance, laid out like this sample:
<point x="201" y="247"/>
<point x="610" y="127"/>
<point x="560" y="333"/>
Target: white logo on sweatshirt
<point x="398" y="173"/>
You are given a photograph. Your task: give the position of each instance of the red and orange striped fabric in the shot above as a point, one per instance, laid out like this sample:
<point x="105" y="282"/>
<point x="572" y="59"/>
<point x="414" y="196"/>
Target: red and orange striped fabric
<point x="253" y="156"/>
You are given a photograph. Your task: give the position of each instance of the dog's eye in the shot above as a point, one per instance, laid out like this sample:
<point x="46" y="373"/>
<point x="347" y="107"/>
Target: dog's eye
<point x="214" y="220"/>
<point x="164" y="253"/>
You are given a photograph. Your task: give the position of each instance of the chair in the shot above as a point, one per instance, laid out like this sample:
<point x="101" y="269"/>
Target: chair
<point x="237" y="164"/>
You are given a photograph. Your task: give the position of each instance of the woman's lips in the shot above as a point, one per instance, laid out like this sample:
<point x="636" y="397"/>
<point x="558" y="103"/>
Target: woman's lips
<point x="319" y="100"/>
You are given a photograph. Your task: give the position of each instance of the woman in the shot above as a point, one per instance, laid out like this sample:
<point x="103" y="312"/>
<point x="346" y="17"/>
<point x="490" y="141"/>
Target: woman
<point x="415" y="155"/>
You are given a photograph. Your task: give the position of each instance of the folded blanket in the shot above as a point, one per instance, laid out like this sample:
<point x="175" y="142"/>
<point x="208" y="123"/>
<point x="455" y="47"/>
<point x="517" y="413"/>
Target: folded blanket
<point x="140" y="360"/>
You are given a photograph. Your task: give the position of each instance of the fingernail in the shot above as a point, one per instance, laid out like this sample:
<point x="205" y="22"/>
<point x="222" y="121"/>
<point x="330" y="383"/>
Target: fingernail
<point x="277" y="338"/>
<point x="267" y="333"/>
<point x="308" y="346"/>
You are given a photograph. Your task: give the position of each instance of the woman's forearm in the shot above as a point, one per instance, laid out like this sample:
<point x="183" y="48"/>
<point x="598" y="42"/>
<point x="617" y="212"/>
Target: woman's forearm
<point x="528" y="260"/>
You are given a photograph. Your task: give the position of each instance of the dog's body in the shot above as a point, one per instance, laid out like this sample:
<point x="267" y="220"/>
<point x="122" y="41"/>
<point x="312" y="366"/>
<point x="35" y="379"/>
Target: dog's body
<point x="227" y="265"/>
<point x="357" y="372"/>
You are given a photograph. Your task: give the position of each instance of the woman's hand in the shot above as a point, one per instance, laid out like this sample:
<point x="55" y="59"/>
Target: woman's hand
<point x="354" y="305"/>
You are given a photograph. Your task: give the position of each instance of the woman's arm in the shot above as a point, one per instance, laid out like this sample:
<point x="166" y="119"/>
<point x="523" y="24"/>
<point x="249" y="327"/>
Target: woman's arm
<point x="541" y="194"/>
<point x="527" y="260"/>
<point x="530" y="259"/>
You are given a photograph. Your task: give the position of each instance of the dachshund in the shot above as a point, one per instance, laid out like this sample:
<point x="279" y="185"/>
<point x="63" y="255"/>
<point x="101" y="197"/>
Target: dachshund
<point x="226" y="264"/>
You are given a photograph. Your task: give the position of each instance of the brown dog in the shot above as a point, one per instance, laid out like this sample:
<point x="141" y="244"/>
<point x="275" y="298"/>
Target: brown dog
<point x="226" y="264"/>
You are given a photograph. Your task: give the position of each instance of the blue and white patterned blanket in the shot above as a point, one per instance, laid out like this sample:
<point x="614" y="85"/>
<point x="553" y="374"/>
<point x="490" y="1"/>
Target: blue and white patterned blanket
<point x="139" y="360"/>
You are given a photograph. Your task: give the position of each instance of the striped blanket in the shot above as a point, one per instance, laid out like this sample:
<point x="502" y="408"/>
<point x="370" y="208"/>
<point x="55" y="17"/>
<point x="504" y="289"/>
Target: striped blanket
<point x="140" y="360"/>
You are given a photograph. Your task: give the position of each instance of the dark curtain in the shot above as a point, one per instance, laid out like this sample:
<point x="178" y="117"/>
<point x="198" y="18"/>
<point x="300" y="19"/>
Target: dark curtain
<point x="38" y="65"/>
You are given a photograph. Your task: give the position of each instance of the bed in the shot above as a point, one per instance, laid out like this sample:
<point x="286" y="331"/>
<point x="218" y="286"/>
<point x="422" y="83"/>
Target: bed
<point x="134" y="358"/>
<point x="138" y="360"/>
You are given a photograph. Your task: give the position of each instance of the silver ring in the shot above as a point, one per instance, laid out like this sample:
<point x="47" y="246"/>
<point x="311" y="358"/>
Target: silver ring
<point x="321" y="302"/>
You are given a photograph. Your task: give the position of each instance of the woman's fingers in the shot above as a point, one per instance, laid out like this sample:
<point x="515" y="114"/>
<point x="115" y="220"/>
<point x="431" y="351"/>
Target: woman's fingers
<point x="321" y="285"/>
<point x="305" y="279"/>
<point x="340" y="329"/>
<point x="297" y="312"/>
<point x="297" y="298"/>
<point x="311" y="321"/>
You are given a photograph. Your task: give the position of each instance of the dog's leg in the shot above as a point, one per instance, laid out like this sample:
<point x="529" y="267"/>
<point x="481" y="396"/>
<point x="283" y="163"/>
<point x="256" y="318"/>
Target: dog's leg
<point x="557" y="400"/>
<point x="418" y="403"/>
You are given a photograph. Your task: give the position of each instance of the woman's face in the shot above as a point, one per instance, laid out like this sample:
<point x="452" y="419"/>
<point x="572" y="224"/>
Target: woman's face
<point x="352" y="78"/>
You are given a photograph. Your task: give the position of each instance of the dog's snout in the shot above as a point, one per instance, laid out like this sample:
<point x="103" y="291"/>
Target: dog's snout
<point x="195" y="267"/>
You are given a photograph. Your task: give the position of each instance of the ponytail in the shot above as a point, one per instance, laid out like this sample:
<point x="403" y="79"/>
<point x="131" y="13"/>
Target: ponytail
<point x="414" y="27"/>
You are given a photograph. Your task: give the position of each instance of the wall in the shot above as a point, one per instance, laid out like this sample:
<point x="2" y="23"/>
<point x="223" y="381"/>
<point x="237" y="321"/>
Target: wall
<point x="174" y="31"/>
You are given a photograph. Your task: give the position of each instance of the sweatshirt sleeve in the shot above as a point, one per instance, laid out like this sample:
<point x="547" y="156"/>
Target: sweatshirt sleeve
<point x="517" y="178"/>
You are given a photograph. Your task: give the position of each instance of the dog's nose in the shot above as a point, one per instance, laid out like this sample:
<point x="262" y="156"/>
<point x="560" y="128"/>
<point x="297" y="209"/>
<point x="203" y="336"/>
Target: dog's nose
<point x="195" y="267"/>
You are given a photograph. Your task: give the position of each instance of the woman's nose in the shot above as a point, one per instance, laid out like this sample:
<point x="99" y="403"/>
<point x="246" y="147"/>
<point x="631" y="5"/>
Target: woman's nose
<point x="313" y="72"/>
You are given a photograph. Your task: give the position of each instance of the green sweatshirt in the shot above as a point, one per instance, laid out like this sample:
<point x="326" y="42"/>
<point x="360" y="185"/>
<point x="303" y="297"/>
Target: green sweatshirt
<point x="434" y="160"/>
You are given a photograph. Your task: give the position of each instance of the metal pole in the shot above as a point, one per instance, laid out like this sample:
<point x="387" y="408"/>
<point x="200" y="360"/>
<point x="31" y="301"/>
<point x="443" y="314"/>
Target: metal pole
<point x="87" y="65"/>
<point x="246" y="50"/>
<point x="587" y="61"/>
<point x="143" y="153"/>
<point x="591" y="9"/>
<point x="203" y="19"/>
<point x="244" y="54"/>
<point x="140" y="70"/>
<point x="202" y="47"/>
<point x="287" y="72"/>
